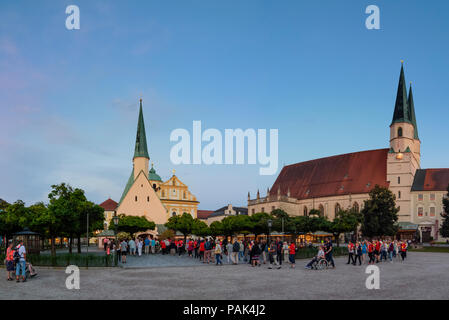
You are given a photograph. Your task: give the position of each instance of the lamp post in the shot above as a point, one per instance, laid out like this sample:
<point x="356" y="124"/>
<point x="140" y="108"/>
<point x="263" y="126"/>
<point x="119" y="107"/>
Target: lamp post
<point x="115" y="219"/>
<point x="270" y="223"/>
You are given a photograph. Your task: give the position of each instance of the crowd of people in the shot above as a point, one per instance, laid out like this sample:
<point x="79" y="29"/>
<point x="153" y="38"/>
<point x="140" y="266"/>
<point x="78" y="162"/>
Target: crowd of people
<point x="371" y="252"/>
<point x="209" y="250"/>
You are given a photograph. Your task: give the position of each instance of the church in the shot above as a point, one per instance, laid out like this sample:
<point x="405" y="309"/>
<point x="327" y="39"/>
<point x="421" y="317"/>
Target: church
<point x="145" y="194"/>
<point x="344" y="181"/>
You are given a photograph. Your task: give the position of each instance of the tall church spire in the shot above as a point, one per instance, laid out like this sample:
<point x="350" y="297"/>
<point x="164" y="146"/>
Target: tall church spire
<point x="141" y="140"/>
<point x="401" y="110"/>
<point x="411" y="111"/>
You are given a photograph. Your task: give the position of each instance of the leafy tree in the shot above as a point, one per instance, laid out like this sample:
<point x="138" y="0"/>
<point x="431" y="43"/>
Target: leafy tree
<point x="200" y="228"/>
<point x="13" y="219"/>
<point x="444" y="230"/>
<point x="133" y="224"/>
<point x="345" y="221"/>
<point x="167" y="234"/>
<point x="182" y="223"/>
<point x="123" y="236"/>
<point x="96" y="220"/>
<point x="379" y="213"/>
<point x="259" y="223"/>
<point x="3" y="205"/>
<point x="216" y="229"/>
<point x="315" y="213"/>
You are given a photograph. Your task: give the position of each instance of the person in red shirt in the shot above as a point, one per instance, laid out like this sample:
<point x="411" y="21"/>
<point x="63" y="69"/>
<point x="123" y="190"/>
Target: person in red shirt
<point x="202" y="251"/>
<point x="163" y="247"/>
<point x="10" y="261"/>
<point x="292" y="253"/>
<point x="371" y="252"/>
<point x="377" y="251"/>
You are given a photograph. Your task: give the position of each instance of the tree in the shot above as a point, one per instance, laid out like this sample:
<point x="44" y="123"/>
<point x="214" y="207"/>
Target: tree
<point x="259" y="223"/>
<point x="133" y="224"/>
<point x="379" y="213"/>
<point x="182" y="223"/>
<point x="345" y="221"/>
<point x="216" y="229"/>
<point x="200" y="228"/>
<point x="444" y="230"/>
<point x="13" y="219"/>
<point x="96" y="220"/>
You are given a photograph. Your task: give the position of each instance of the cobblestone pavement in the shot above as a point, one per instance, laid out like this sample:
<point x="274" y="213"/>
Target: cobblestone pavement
<point x="422" y="276"/>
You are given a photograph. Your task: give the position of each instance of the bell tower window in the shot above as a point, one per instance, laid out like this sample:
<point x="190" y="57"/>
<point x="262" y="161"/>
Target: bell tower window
<point x="400" y="132"/>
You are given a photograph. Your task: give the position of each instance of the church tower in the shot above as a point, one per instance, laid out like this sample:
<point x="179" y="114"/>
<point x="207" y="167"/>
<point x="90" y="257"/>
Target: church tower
<point x="141" y="158"/>
<point x="404" y="156"/>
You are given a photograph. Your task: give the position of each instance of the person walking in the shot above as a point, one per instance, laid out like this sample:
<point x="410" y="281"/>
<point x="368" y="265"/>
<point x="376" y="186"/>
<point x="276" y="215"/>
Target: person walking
<point x="202" y="250"/>
<point x="279" y="248"/>
<point x="229" y="251"/>
<point x="241" y="252"/>
<point x="20" y="260"/>
<point x="371" y="253"/>
<point x="218" y="254"/>
<point x="272" y="255"/>
<point x="364" y="252"/>
<point x="9" y="261"/>
<point x="254" y="253"/>
<point x="292" y="253"/>
<point x="207" y="250"/>
<point x="390" y="251"/>
<point x="350" y="253"/>
<point x="358" y="251"/>
<point x="329" y="252"/>
<point x="403" y="246"/>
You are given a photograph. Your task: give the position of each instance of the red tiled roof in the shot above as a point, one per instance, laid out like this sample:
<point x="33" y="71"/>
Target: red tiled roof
<point x="351" y="173"/>
<point x="431" y="180"/>
<point x="204" y="214"/>
<point x="109" y="205"/>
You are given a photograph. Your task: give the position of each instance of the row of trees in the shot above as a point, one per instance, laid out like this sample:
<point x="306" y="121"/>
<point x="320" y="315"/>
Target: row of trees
<point x="378" y="218"/>
<point x="64" y="216"/>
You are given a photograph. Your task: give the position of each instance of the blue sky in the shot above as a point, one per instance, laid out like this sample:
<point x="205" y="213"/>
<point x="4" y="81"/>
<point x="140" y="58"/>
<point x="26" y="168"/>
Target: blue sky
<point x="69" y="99"/>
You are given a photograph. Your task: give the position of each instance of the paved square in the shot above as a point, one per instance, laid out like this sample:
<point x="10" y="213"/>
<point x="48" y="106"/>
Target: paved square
<point x="422" y="276"/>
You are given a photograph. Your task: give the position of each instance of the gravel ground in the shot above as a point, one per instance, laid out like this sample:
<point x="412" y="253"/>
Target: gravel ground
<point x="422" y="276"/>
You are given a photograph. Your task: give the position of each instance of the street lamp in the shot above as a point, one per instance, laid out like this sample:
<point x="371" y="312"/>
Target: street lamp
<point x="115" y="219"/>
<point x="270" y="223"/>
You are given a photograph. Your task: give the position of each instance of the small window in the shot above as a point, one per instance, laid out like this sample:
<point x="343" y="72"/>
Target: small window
<point x="148" y="199"/>
<point x="420" y="197"/>
<point x="432" y="211"/>
<point x="136" y="198"/>
<point x="399" y="194"/>
<point x="400" y="132"/>
<point x="173" y="214"/>
<point x="305" y="211"/>
<point x="420" y="211"/>
<point x="399" y="180"/>
<point x="432" y="197"/>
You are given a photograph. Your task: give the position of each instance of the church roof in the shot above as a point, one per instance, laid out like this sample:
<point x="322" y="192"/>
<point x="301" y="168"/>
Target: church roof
<point x="127" y="187"/>
<point x="109" y="205"/>
<point x="141" y="149"/>
<point x="153" y="176"/>
<point x="431" y="180"/>
<point x="351" y="173"/>
<point x="204" y="214"/>
<point x="404" y="108"/>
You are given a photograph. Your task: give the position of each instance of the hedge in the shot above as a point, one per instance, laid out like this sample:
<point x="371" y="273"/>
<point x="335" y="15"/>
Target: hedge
<point x="66" y="259"/>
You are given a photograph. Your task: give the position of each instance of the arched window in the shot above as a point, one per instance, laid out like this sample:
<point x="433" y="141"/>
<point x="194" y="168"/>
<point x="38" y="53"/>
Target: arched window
<point x="173" y="214"/>
<point x="305" y="211"/>
<point x="356" y="207"/>
<point x="337" y="208"/>
<point x="321" y="209"/>
<point x="399" y="132"/>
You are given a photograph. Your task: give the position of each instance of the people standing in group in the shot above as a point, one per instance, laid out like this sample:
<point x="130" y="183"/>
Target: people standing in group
<point x="10" y="261"/>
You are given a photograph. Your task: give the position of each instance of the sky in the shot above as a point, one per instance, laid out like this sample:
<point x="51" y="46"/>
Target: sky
<point x="69" y="99"/>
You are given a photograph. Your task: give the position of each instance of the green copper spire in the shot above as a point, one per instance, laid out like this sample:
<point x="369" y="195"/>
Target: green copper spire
<point x="141" y="139"/>
<point x="401" y="111"/>
<point x="411" y="111"/>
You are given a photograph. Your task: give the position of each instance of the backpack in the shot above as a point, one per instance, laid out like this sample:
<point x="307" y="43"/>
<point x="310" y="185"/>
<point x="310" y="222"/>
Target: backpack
<point x="16" y="254"/>
<point x="236" y="247"/>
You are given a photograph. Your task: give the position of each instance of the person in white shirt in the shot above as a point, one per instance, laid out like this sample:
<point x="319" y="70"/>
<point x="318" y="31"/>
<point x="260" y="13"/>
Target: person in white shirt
<point x="317" y="258"/>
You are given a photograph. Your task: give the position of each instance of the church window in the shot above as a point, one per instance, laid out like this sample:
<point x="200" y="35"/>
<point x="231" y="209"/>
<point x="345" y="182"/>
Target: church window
<point x="321" y="209"/>
<point x="148" y="199"/>
<point x="305" y="211"/>
<point x="432" y="211"/>
<point x="432" y="197"/>
<point x="420" y="211"/>
<point x="399" y="180"/>
<point x="399" y="132"/>
<point x="399" y="194"/>
<point x="337" y="208"/>
<point x="173" y="214"/>
<point x="136" y="198"/>
<point x="420" y="197"/>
